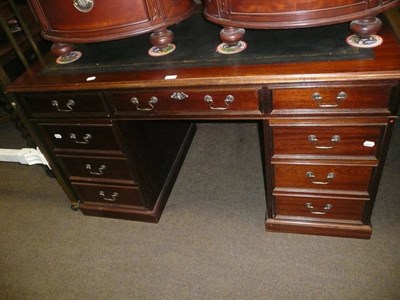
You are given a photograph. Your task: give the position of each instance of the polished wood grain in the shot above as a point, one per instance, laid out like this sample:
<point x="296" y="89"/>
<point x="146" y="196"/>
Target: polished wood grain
<point x="319" y="208"/>
<point x="154" y="142"/>
<point x="62" y="22"/>
<point x="77" y="137"/>
<point x="235" y="15"/>
<point x="317" y="141"/>
<point x="328" y="99"/>
<point x="96" y="169"/>
<point x="230" y="101"/>
<point x="319" y="228"/>
<point x="109" y="195"/>
<point x="354" y="179"/>
<point x="65" y="105"/>
<point x="290" y="14"/>
<point x="88" y="21"/>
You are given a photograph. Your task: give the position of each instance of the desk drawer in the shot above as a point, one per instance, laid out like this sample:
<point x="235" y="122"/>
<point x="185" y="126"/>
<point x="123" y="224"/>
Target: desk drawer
<point x="329" y="140"/>
<point x="326" y="177"/>
<point x="95" y="169"/>
<point x="321" y="208"/>
<point x="191" y="101"/>
<point x="93" y="137"/>
<point x="331" y="99"/>
<point x="112" y="195"/>
<point x="64" y="105"/>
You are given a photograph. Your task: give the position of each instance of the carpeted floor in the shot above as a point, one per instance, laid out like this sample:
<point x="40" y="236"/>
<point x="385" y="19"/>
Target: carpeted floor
<point x="209" y="244"/>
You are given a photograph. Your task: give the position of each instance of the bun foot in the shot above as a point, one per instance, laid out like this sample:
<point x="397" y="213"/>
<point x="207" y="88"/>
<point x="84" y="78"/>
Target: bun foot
<point x="365" y="33"/>
<point x="161" y="39"/>
<point x="231" y="38"/>
<point x="65" y="53"/>
<point x="75" y="206"/>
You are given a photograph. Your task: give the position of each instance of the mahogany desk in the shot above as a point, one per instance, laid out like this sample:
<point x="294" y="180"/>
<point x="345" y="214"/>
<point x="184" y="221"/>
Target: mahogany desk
<point x="116" y="142"/>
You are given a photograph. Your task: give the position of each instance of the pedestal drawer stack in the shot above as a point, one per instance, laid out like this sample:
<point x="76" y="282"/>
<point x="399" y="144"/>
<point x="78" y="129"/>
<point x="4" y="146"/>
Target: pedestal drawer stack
<point x="98" y="164"/>
<point x="327" y="150"/>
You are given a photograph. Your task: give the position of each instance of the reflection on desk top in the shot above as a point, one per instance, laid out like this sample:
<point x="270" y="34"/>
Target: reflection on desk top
<point x="273" y="56"/>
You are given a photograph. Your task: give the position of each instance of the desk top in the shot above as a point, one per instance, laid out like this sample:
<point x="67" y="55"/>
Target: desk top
<point x="378" y="63"/>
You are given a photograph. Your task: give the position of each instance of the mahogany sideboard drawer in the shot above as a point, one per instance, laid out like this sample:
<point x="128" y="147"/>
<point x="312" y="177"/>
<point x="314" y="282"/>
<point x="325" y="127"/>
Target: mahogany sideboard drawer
<point x="70" y="137"/>
<point x="327" y="140"/>
<point x="320" y="208"/>
<point x="327" y="177"/>
<point x="64" y="105"/>
<point x="228" y="101"/>
<point x="89" y="21"/>
<point x="332" y="99"/>
<point x="96" y="169"/>
<point x="113" y="195"/>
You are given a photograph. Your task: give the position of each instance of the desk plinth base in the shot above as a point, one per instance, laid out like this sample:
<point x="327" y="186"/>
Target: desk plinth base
<point x="319" y="228"/>
<point x="149" y="216"/>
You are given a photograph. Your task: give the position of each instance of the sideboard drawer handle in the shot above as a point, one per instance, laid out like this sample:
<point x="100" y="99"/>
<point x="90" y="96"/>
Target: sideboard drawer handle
<point x="228" y="99"/>
<point x="114" y="196"/>
<point x="326" y="209"/>
<point x="99" y="172"/>
<point x="153" y="100"/>
<point x="314" y="140"/>
<point x="310" y="175"/>
<point x="83" y="5"/>
<point x="85" y="140"/>
<point x="69" y="105"/>
<point x="339" y="98"/>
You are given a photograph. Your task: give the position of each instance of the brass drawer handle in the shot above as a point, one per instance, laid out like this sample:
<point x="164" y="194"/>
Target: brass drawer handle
<point x="99" y="171"/>
<point x="228" y="99"/>
<point x="85" y="140"/>
<point x="179" y="96"/>
<point x="310" y="175"/>
<point x="83" y="5"/>
<point x="339" y="98"/>
<point x="314" y="140"/>
<point x="69" y="105"/>
<point x="153" y="100"/>
<point x="114" y="196"/>
<point x="326" y="209"/>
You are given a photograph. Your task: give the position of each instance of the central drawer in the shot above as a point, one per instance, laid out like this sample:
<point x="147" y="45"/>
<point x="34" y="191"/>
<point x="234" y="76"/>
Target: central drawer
<point x="230" y="101"/>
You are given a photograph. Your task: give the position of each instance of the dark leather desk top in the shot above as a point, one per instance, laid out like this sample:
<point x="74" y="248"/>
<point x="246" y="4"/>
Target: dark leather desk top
<point x="282" y="56"/>
<point x="196" y="40"/>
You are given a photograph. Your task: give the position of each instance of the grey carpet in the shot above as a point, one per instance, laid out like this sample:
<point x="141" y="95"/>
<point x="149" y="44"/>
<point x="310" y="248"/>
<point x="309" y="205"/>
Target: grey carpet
<point x="209" y="244"/>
